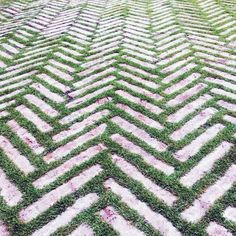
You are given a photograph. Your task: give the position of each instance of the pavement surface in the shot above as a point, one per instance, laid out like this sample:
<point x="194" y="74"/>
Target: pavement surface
<point x="118" y="117"/>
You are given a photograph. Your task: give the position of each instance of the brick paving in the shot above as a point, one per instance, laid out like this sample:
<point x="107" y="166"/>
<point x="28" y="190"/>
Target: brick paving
<point x="118" y="117"/>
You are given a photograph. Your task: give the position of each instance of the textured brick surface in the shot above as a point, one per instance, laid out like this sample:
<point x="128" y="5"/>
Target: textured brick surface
<point x="117" y="117"/>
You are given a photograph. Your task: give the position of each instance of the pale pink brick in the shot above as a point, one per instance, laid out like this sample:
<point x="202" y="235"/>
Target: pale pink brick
<point x="188" y="109"/>
<point x="61" y="65"/>
<point x="220" y="73"/>
<point x="205" y="165"/>
<point x="139" y="116"/>
<point x="26" y="137"/>
<point x="223" y="93"/>
<point x="186" y="95"/>
<point x="221" y="82"/>
<point x="91" y="86"/>
<point x="69" y="147"/>
<point x="180" y="72"/>
<point x="34" y="118"/>
<point x="99" y="48"/>
<point x="79" y="126"/>
<point x="149" y="159"/>
<point x="120" y="224"/>
<point x="4" y="114"/>
<point x="43" y="106"/>
<point x="183" y="83"/>
<point x="170" y="59"/>
<point x="14" y="79"/>
<point x="133" y="172"/>
<point x="47" y="93"/>
<point x="139" y="133"/>
<point x="138" y="70"/>
<point x="227" y="105"/>
<point x="12" y="94"/>
<point x="69" y="51"/>
<point x="54" y="83"/>
<point x="59" y="73"/>
<point x="230" y="119"/>
<point x="147" y="83"/>
<point x="140" y="90"/>
<point x="51" y="198"/>
<point x="159" y="222"/>
<point x="88" y="109"/>
<point x="9" y="191"/>
<point x="6" y="104"/>
<point x="89" y="96"/>
<point x="14" y="72"/>
<point x="174" y="66"/>
<point x="140" y="62"/>
<point x="16" y="85"/>
<point x="98" y="60"/>
<point x="3" y="229"/>
<point x="68" y="58"/>
<point x="2" y="64"/>
<point x="215" y="229"/>
<point x="191" y="149"/>
<point x="82" y="230"/>
<point x="9" y="48"/>
<point x="149" y="106"/>
<point x="13" y="154"/>
<point x="93" y="77"/>
<point x="97" y="67"/>
<point x="201" y="205"/>
<point x="67" y="216"/>
<point x="6" y="55"/>
<point x="77" y="160"/>
<point x="169" y="47"/>
<point x="172" y="51"/>
<point x="230" y="213"/>
<point x="146" y="59"/>
<point x="193" y="124"/>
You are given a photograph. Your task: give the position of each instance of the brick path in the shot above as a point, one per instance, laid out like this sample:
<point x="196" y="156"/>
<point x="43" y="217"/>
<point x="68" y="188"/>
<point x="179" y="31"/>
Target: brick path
<point x="118" y="117"/>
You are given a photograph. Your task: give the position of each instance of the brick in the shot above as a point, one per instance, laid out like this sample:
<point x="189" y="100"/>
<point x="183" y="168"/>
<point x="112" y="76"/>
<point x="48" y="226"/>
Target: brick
<point x="148" y="158"/>
<point x="43" y="106"/>
<point x="188" y="108"/>
<point x="3" y="229"/>
<point x="67" y="216"/>
<point x="34" y="118"/>
<point x="186" y="95"/>
<point x="77" y="160"/>
<point x="83" y="229"/>
<point x="51" y="198"/>
<point x="191" y="149"/>
<point x="26" y="137"/>
<point x="214" y="229"/>
<point x="79" y="126"/>
<point x="139" y="133"/>
<point x="133" y="172"/>
<point x="201" y="205"/>
<point x="64" y="150"/>
<point x="157" y="221"/>
<point x="120" y="224"/>
<point x="193" y="124"/>
<point x="230" y="214"/>
<point x="10" y="193"/>
<point x="205" y="165"/>
<point x="13" y="154"/>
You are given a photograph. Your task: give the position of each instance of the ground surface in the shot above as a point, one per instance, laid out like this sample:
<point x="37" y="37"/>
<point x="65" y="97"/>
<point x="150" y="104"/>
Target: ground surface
<point x="118" y="117"/>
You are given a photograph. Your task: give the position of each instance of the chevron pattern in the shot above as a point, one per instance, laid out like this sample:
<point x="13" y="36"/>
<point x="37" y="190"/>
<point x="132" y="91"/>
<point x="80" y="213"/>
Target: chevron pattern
<point x="118" y="117"/>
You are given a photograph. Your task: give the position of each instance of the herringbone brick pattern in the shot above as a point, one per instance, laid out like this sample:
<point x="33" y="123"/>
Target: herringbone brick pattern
<point x="118" y="117"/>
